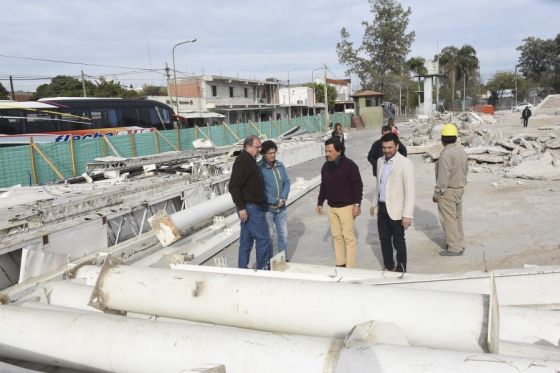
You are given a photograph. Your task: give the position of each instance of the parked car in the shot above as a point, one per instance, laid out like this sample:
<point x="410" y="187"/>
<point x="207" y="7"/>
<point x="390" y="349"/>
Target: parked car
<point x="520" y="107"/>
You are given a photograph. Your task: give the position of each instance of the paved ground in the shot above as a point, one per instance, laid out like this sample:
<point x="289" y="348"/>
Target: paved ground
<point x="514" y="223"/>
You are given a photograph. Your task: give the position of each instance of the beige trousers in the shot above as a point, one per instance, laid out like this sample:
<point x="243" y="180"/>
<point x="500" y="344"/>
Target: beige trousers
<point x="450" y="208"/>
<point x="342" y="231"/>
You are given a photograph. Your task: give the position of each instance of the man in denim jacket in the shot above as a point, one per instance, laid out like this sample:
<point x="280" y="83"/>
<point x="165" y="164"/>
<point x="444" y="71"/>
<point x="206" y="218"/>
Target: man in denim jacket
<point x="276" y="189"/>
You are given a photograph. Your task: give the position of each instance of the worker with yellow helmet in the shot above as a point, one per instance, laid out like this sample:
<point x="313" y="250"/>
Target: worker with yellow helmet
<point x="451" y="178"/>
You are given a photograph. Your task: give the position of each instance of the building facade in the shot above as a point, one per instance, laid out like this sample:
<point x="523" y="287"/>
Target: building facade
<point x="238" y="100"/>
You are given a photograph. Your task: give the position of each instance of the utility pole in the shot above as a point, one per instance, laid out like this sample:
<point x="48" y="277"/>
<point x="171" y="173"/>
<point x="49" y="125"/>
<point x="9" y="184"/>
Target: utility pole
<point x="289" y="98"/>
<point x="12" y="88"/>
<point x="167" y="75"/>
<point x="84" y="84"/>
<point x="326" y="98"/>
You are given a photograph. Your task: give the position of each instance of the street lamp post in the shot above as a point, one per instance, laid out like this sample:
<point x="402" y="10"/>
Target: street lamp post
<point x="175" y="71"/>
<point x="312" y="76"/>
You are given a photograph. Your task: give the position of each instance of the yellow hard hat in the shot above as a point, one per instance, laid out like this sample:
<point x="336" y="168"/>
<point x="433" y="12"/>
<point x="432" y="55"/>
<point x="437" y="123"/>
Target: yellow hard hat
<point x="449" y="129"/>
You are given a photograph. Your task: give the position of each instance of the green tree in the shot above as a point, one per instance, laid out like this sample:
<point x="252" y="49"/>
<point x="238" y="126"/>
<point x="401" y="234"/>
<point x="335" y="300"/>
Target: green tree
<point x="63" y="86"/>
<point x="458" y="64"/>
<point x="110" y="88"/>
<point x="539" y="62"/>
<point x="503" y="81"/>
<point x="4" y="94"/>
<point x="384" y="46"/>
<point x="152" y="90"/>
<point x="319" y="91"/>
<point x="415" y="66"/>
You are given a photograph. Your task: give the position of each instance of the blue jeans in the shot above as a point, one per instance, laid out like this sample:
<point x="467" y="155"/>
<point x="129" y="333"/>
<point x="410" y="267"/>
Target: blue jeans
<point x="277" y="221"/>
<point x="254" y="230"/>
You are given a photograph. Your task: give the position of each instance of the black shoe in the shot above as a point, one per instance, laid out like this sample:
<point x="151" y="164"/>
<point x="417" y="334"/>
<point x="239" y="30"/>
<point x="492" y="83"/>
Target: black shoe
<point x="400" y="268"/>
<point x="446" y="252"/>
<point x="342" y="265"/>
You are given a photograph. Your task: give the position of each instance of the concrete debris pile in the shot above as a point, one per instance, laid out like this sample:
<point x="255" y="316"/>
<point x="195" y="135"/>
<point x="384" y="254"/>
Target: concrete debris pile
<point x="524" y="155"/>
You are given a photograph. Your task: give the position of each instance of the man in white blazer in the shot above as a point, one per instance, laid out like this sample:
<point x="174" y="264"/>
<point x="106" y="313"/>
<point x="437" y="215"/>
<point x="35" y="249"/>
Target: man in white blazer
<point x="393" y="202"/>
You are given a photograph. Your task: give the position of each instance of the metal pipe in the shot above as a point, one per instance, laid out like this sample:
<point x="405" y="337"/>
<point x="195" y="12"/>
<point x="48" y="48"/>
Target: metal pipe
<point x="314" y="308"/>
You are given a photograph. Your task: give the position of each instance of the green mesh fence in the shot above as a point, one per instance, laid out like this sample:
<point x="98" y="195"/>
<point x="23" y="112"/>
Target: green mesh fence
<point x="28" y="165"/>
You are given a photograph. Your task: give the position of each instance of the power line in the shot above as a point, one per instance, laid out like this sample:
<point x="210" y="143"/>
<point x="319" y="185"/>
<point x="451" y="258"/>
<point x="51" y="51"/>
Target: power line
<point x="77" y="63"/>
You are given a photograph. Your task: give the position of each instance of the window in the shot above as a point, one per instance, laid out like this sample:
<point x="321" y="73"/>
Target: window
<point x="104" y="118"/>
<point x="11" y="122"/>
<point x="214" y="91"/>
<point x="230" y="91"/>
<point x="128" y="117"/>
<point x="369" y="102"/>
<point x="246" y="90"/>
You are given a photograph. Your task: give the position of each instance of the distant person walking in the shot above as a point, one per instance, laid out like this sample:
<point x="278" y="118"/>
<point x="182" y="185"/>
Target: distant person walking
<point x="525" y="115"/>
<point x="247" y="191"/>
<point x="376" y="152"/>
<point x="342" y="188"/>
<point x="451" y="178"/>
<point x="276" y="190"/>
<point x="338" y="133"/>
<point x="393" y="202"/>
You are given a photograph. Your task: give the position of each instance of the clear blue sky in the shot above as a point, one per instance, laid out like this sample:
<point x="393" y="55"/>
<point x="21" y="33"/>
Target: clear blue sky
<point x="246" y="38"/>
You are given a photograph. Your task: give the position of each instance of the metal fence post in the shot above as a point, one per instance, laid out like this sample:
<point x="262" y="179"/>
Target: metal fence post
<point x="33" y="162"/>
<point x="73" y="156"/>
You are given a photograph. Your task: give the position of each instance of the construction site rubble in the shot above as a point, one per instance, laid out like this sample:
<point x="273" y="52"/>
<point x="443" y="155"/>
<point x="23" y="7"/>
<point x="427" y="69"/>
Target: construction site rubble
<point x="523" y="155"/>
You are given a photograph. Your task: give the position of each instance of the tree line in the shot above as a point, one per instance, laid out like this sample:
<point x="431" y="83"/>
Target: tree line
<point x="67" y="86"/>
<point x="380" y="63"/>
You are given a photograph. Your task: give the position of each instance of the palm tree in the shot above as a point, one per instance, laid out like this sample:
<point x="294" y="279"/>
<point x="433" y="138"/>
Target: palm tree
<point x="415" y="66"/>
<point x="458" y="64"/>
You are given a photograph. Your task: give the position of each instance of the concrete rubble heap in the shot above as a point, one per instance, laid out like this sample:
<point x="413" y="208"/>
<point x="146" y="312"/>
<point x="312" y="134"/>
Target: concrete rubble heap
<point x="524" y="155"/>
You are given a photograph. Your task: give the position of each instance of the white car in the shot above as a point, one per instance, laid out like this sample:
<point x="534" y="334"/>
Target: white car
<point x="520" y="108"/>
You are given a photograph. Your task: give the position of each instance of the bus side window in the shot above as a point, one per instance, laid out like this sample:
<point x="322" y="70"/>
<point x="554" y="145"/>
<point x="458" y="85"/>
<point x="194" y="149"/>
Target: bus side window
<point x="11" y="122"/>
<point x="128" y="117"/>
<point x="104" y="118"/>
<point x="39" y="122"/>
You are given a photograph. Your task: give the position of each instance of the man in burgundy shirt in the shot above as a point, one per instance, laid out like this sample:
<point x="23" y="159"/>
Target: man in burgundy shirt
<point x="341" y="187"/>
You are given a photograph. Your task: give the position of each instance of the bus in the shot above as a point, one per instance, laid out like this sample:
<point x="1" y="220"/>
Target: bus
<point x="61" y="119"/>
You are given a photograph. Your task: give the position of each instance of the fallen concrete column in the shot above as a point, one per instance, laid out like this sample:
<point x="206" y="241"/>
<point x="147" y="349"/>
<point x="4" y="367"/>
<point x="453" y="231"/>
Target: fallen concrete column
<point x="120" y="344"/>
<point x="515" y="287"/>
<point x="170" y="228"/>
<point x="296" y="306"/>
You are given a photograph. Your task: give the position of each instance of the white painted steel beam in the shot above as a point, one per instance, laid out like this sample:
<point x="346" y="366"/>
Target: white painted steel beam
<point x="295" y="306"/>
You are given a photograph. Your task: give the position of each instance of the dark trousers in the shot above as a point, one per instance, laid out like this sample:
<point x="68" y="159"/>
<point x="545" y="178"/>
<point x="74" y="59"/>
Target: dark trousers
<point x="391" y="235"/>
<point x="525" y="122"/>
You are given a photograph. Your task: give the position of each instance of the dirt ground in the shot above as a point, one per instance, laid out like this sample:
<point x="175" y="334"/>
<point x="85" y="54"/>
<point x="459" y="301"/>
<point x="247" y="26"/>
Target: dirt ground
<point x="507" y="222"/>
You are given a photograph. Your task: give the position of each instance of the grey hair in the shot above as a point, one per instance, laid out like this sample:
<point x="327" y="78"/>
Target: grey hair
<point x="249" y="140"/>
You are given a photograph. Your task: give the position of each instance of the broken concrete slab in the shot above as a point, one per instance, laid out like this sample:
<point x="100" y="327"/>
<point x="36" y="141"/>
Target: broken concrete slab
<point x="553" y="144"/>
<point x="487" y="158"/>
<point x="537" y="169"/>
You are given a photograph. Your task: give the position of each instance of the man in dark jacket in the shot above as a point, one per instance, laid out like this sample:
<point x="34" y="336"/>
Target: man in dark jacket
<point x="247" y="191"/>
<point x="376" y="151"/>
<point x="525" y="115"/>
<point x="341" y="186"/>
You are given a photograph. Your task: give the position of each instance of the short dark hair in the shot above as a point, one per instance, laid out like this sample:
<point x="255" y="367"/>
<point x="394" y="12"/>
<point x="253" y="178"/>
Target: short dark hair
<point x="249" y="140"/>
<point x="448" y="139"/>
<point x="267" y="145"/>
<point x="338" y="146"/>
<point x="390" y="137"/>
<point x="386" y="128"/>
